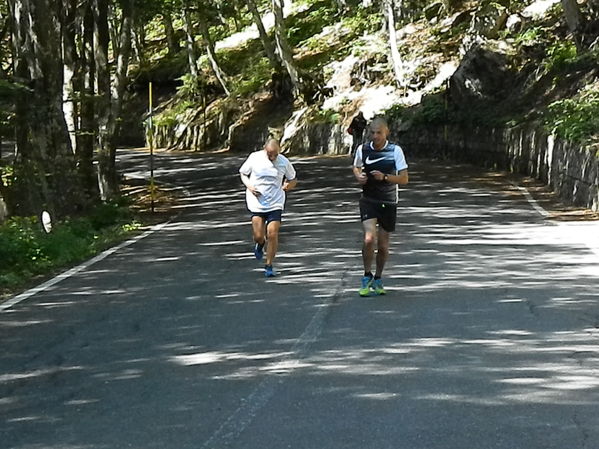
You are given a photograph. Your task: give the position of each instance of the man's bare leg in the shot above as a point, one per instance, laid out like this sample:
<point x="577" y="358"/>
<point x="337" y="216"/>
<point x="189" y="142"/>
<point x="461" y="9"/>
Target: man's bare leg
<point x="258" y="230"/>
<point x="259" y="235"/>
<point x="382" y="252"/>
<point x="272" y="232"/>
<point x="370" y="237"/>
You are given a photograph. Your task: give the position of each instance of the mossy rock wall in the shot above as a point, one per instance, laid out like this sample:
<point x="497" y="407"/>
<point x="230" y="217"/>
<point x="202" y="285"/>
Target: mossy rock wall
<point x="196" y="130"/>
<point x="569" y="169"/>
<point x="317" y="138"/>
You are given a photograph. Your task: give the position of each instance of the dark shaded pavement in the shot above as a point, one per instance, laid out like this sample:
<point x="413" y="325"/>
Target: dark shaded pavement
<point x="487" y="338"/>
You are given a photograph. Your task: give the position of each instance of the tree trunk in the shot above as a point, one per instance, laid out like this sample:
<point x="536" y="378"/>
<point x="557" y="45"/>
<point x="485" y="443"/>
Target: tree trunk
<point x="574" y="20"/>
<point x="220" y="76"/>
<point x="395" y="56"/>
<point x="139" y="42"/>
<point x="44" y="172"/>
<point x="87" y="132"/>
<point x="110" y="97"/>
<point x="191" y="48"/>
<point x="266" y="42"/>
<point x="169" y="31"/>
<point x="108" y="173"/>
<point x="283" y="46"/>
<point x="107" y="180"/>
<point x="72" y="70"/>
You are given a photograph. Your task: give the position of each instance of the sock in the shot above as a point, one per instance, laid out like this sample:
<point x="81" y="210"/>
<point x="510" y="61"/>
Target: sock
<point x="377" y="277"/>
<point x="368" y="273"/>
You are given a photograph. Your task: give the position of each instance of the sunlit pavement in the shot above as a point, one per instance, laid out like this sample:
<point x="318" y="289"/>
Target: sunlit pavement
<point x="488" y="337"/>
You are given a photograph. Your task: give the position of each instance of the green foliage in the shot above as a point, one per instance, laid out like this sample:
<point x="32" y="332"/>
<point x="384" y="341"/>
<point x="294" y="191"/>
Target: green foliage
<point x="108" y="214"/>
<point x="326" y="116"/>
<point x="19" y="239"/>
<point x="6" y="174"/>
<point x="361" y="21"/>
<point x="430" y="111"/>
<point x="560" y="56"/>
<point x="398" y="113"/>
<point x="575" y="119"/>
<point x="26" y="250"/>
<point x="9" y="90"/>
<point x="241" y="59"/>
<point x="349" y="28"/>
<point x="190" y="87"/>
<point x="254" y="78"/>
<point x="529" y="36"/>
<point x="310" y="22"/>
<point x="171" y="116"/>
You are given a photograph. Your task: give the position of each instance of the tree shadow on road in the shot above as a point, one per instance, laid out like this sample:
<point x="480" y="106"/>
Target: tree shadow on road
<point x="487" y="333"/>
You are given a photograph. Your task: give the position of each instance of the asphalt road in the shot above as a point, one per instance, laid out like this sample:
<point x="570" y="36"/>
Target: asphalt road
<point x="488" y="337"/>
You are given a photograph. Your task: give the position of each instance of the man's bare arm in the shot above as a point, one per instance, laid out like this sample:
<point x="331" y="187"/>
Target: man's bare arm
<point x="289" y="185"/>
<point x="246" y="182"/>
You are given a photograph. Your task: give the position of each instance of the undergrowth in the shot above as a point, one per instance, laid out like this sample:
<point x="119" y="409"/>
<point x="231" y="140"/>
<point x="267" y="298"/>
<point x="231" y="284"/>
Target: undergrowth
<point x="27" y="251"/>
<point x="576" y="119"/>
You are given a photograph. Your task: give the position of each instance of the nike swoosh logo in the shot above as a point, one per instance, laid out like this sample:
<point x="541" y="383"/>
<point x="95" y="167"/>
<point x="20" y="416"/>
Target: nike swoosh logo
<point x="374" y="161"/>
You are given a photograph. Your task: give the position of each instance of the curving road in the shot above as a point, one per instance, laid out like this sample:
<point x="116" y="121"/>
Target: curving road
<point x="488" y="337"/>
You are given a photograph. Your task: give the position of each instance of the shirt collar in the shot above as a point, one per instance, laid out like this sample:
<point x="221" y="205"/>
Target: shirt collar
<point x="266" y="157"/>
<point x="384" y="146"/>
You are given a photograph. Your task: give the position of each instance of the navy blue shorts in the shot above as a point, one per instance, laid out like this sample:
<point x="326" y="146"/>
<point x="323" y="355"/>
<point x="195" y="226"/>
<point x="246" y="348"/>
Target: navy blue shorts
<point x="273" y="215"/>
<point x="385" y="213"/>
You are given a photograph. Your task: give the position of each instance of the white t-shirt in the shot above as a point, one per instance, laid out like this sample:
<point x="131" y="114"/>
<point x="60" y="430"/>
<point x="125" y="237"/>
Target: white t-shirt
<point x="266" y="176"/>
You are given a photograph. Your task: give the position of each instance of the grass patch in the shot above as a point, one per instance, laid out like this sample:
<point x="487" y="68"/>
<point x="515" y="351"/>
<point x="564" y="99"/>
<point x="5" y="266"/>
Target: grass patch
<point x="26" y="251"/>
<point x="28" y="254"/>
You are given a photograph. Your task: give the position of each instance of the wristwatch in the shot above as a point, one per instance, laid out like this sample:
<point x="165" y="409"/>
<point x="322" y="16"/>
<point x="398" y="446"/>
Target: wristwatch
<point x="385" y="178"/>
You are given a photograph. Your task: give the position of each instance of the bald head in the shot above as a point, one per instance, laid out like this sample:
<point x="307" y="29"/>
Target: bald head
<point x="272" y="148"/>
<point x="379" y="122"/>
<point x="379" y="131"/>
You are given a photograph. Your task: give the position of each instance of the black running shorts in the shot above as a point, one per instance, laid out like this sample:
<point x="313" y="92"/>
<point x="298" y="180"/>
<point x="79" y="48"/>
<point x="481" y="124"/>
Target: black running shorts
<point x="385" y="213"/>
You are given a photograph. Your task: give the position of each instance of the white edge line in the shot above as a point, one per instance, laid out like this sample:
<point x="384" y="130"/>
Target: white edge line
<point x="44" y="286"/>
<point x="532" y="201"/>
<point x="546" y="214"/>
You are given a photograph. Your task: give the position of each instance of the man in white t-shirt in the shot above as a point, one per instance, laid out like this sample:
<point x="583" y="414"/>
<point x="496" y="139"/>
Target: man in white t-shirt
<point x="267" y="175"/>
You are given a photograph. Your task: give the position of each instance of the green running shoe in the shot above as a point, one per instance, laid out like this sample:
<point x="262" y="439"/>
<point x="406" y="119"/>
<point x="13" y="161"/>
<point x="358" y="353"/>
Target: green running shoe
<point x="377" y="286"/>
<point x="366" y="285"/>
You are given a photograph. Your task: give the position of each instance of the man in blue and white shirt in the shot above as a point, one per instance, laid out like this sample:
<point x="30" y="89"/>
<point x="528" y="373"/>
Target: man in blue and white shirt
<point x="267" y="175"/>
<point x="379" y="167"/>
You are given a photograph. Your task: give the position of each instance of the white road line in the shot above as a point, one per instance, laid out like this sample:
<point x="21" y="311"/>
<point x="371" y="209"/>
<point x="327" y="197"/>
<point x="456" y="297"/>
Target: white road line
<point x="536" y="206"/>
<point x="577" y="231"/>
<point x="235" y="424"/>
<point x="67" y="274"/>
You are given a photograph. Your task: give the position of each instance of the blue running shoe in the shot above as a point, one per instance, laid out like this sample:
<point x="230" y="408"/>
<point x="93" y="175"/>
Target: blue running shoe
<point x="366" y="285"/>
<point x="377" y="286"/>
<point x="259" y="251"/>
<point x="269" y="271"/>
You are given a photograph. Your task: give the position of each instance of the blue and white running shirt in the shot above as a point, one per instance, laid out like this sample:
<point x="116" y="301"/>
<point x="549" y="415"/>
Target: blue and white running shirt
<point x="388" y="160"/>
